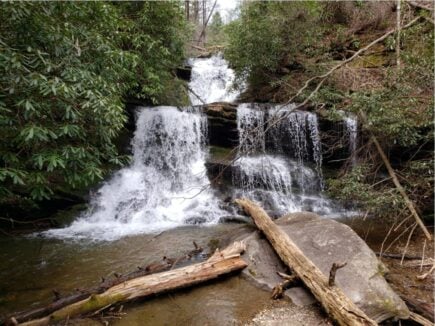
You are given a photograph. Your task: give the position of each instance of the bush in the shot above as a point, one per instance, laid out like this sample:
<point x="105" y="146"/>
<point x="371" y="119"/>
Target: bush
<point x="64" y="69"/>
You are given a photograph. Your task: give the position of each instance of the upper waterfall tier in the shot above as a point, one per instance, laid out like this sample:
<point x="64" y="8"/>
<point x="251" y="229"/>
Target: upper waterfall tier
<point x="211" y="81"/>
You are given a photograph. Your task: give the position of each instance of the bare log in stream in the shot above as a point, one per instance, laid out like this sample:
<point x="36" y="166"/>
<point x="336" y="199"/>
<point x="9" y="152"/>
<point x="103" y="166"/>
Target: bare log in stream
<point x="220" y="263"/>
<point x="82" y="294"/>
<point x="332" y="298"/>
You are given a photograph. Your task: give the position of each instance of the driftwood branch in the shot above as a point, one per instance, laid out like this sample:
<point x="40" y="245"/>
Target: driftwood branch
<point x="335" y="267"/>
<point x="420" y="6"/>
<point x="221" y="263"/>
<point x="425" y="275"/>
<point x="81" y="294"/>
<point x="420" y="319"/>
<point x="278" y="290"/>
<point x="424" y="309"/>
<point x="397" y="256"/>
<point x="333" y="300"/>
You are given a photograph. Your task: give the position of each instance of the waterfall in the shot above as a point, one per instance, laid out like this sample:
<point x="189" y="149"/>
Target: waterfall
<point x="351" y="126"/>
<point x="250" y="124"/>
<point x="275" y="153"/>
<point x="211" y="81"/>
<point x="296" y="133"/>
<point x="164" y="187"/>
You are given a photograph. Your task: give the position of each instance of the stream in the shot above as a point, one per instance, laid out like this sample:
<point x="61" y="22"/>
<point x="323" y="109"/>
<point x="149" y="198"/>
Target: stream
<point x="164" y="200"/>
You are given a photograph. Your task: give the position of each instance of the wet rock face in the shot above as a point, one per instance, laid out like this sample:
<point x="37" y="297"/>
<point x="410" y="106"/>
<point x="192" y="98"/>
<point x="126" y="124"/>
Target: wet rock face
<point x="223" y="132"/>
<point x="222" y="124"/>
<point x="184" y="73"/>
<point x="324" y="242"/>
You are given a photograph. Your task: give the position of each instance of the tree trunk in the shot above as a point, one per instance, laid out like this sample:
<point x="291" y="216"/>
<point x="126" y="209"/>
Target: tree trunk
<point x="220" y="263"/>
<point x="204" y="17"/>
<point x="332" y="298"/>
<point x="398" y="33"/>
<point x="187" y="9"/>
<point x="206" y="22"/>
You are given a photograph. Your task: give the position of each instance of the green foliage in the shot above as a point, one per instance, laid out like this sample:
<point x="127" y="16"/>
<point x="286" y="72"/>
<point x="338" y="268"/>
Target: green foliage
<point x="356" y="187"/>
<point x="402" y="112"/>
<point x="268" y="32"/>
<point x="381" y="198"/>
<point x="156" y="32"/>
<point x="64" y="69"/>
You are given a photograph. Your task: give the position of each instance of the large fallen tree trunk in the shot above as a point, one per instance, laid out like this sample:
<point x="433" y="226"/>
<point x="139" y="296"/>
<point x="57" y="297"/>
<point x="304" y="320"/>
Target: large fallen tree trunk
<point x="220" y="263"/>
<point x="332" y="298"/>
<point x="106" y="283"/>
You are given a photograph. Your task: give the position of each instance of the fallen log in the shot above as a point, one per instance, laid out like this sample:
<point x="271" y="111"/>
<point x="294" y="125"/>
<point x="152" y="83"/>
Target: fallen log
<point x="332" y="298"/>
<point x="220" y="263"/>
<point x="424" y="309"/>
<point x="420" y="319"/>
<point x="106" y="283"/>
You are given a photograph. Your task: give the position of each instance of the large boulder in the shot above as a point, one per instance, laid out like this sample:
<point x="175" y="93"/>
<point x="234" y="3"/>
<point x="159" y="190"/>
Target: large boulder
<point x="324" y="242"/>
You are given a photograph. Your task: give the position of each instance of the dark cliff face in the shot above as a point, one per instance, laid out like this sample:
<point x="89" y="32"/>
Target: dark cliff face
<point x="222" y="124"/>
<point x="222" y="132"/>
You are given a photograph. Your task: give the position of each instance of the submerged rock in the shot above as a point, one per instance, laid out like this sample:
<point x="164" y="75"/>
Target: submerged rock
<point x="324" y="242"/>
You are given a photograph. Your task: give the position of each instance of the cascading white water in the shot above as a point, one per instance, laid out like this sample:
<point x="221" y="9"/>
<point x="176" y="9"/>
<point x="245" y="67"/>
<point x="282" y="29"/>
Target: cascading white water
<point x="165" y="186"/>
<point x="211" y="81"/>
<point x="250" y="124"/>
<point x="279" y="183"/>
<point x="351" y="125"/>
<point x="296" y="133"/>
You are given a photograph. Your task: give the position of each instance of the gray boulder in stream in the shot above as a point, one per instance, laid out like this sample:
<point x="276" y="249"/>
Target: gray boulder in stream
<point x="325" y="242"/>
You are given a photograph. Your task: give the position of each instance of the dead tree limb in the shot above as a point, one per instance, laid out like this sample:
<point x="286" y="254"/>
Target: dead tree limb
<point x="206" y="22"/>
<point x="220" y="263"/>
<point x="335" y="267"/>
<point x="419" y="5"/>
<point x="397" y="256"/>
<point x="395" y="180"/>
<point x="106" y="283"/>
<point x="420" y="319"/>
<point x="333" y="300"/>
<point x="425" y="309"/>
<point x="278" y="290"/>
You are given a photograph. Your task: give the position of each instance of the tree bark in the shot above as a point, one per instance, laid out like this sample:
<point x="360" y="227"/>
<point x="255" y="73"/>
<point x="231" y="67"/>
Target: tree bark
<point x="220" y="263"/>
<point x="333" y="300"/>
